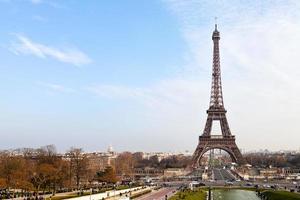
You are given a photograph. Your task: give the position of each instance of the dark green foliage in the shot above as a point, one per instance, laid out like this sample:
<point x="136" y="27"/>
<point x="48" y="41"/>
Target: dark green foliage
<point x="281" y="195"/>
<point x="107" y="176"/>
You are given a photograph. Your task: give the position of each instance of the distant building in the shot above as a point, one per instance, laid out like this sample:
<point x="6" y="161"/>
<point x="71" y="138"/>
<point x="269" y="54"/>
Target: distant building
<point x="148" y="172"/>
<point x="172" y="172"/>
<point x="269" y="172"/>
<point x="164" y="155"/>
<point x="291" y="173"/>
<point x="98" y="161"/>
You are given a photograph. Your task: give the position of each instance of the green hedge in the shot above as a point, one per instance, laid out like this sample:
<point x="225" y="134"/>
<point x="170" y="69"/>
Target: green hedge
<point x="281" y="195"/>
<point x="140" y="194"/>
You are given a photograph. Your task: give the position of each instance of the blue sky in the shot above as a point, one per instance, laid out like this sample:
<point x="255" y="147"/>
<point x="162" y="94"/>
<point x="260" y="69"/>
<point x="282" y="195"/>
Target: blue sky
<point x="136" y="74"/>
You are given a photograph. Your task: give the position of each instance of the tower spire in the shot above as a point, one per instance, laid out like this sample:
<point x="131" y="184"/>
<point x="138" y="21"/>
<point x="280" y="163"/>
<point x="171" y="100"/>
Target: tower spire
<point x="216" y="97"/>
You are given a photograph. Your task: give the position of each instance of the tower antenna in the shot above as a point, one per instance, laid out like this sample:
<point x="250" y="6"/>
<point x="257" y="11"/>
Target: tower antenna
<point x="216" y="23"/>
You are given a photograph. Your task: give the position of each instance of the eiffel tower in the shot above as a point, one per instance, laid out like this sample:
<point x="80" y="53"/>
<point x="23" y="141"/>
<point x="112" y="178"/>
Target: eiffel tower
<point x="216" y="112"/>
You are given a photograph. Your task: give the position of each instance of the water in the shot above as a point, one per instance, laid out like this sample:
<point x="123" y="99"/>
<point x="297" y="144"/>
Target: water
<point x="234" y="195"/>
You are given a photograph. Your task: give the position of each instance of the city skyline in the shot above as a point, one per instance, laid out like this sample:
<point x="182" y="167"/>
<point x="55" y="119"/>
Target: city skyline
<point x="137" y="74"/>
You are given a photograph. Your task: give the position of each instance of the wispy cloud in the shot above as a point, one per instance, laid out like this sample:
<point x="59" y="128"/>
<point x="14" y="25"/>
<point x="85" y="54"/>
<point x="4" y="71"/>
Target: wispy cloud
<point x="260" y="42"/>
<point x="58" y="88"/>
<point x="259" y="45"/>
<point x="51" y="3"/>
<point x="36" y="1"/>
<point x="163" y="95"/>
<point x="39" y="18"/>
<point x="26" y="46"/>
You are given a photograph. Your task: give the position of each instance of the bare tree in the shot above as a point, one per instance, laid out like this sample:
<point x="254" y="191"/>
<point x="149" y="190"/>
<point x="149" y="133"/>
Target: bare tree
<point x="78" y="164"/>
<point x="125" y="164"/>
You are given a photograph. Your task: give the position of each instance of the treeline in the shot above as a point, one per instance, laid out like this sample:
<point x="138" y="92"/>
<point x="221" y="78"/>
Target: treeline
<point x="127" y="162"/>
<point x="43" y="169"/>
<point x="273" y="159"/>
<point x="175" y="161"/>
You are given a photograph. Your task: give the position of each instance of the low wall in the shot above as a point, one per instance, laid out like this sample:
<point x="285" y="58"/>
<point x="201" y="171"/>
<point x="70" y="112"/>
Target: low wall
<point x="106" y="194"/>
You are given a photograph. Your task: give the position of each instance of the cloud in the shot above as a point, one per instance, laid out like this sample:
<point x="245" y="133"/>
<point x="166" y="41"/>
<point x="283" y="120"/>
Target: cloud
<point x="51" y="3"/>
<point x="171" y="96"/>
<point x="260" y="45"/>
<point x="39" y="18"/>
<point x="26" y="46"/>
<point x="56" y="88"/>
<point x="169" y="109"/>
<point x="259" y="40"/>
<point x="36" y="1"/>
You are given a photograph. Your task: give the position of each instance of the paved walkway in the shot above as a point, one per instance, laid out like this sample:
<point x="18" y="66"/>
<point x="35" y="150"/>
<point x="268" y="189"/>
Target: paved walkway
<point x="117" y="197"/>
<point x="47" y="195"/>
<point x="158" y="195"/>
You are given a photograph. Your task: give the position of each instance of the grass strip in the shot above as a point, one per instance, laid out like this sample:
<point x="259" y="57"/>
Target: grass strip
<point x="139" y="194"/>
<point x="199" y="194"/>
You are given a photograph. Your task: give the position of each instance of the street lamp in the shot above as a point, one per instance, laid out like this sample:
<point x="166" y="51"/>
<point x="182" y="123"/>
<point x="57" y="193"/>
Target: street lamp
<point x="114" y="190"/>
<point x="91" y="192"/>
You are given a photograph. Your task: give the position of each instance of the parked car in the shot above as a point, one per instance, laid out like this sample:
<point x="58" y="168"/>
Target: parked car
<point x="229" y="183"/>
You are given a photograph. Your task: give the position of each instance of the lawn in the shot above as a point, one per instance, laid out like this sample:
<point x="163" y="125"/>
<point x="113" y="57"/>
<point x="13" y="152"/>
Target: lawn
<point x="199" y="194"/>
<point x="75" y="194"/>
<point x="280" y="195"/>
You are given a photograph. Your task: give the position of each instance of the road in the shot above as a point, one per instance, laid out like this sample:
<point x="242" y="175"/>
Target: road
<point x="222" y="174"/>
<point x="159" y="195"/>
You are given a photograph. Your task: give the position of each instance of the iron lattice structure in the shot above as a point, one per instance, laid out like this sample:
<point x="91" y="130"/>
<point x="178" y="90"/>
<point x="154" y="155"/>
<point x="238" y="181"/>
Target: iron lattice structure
<point x="216" y="112"/>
